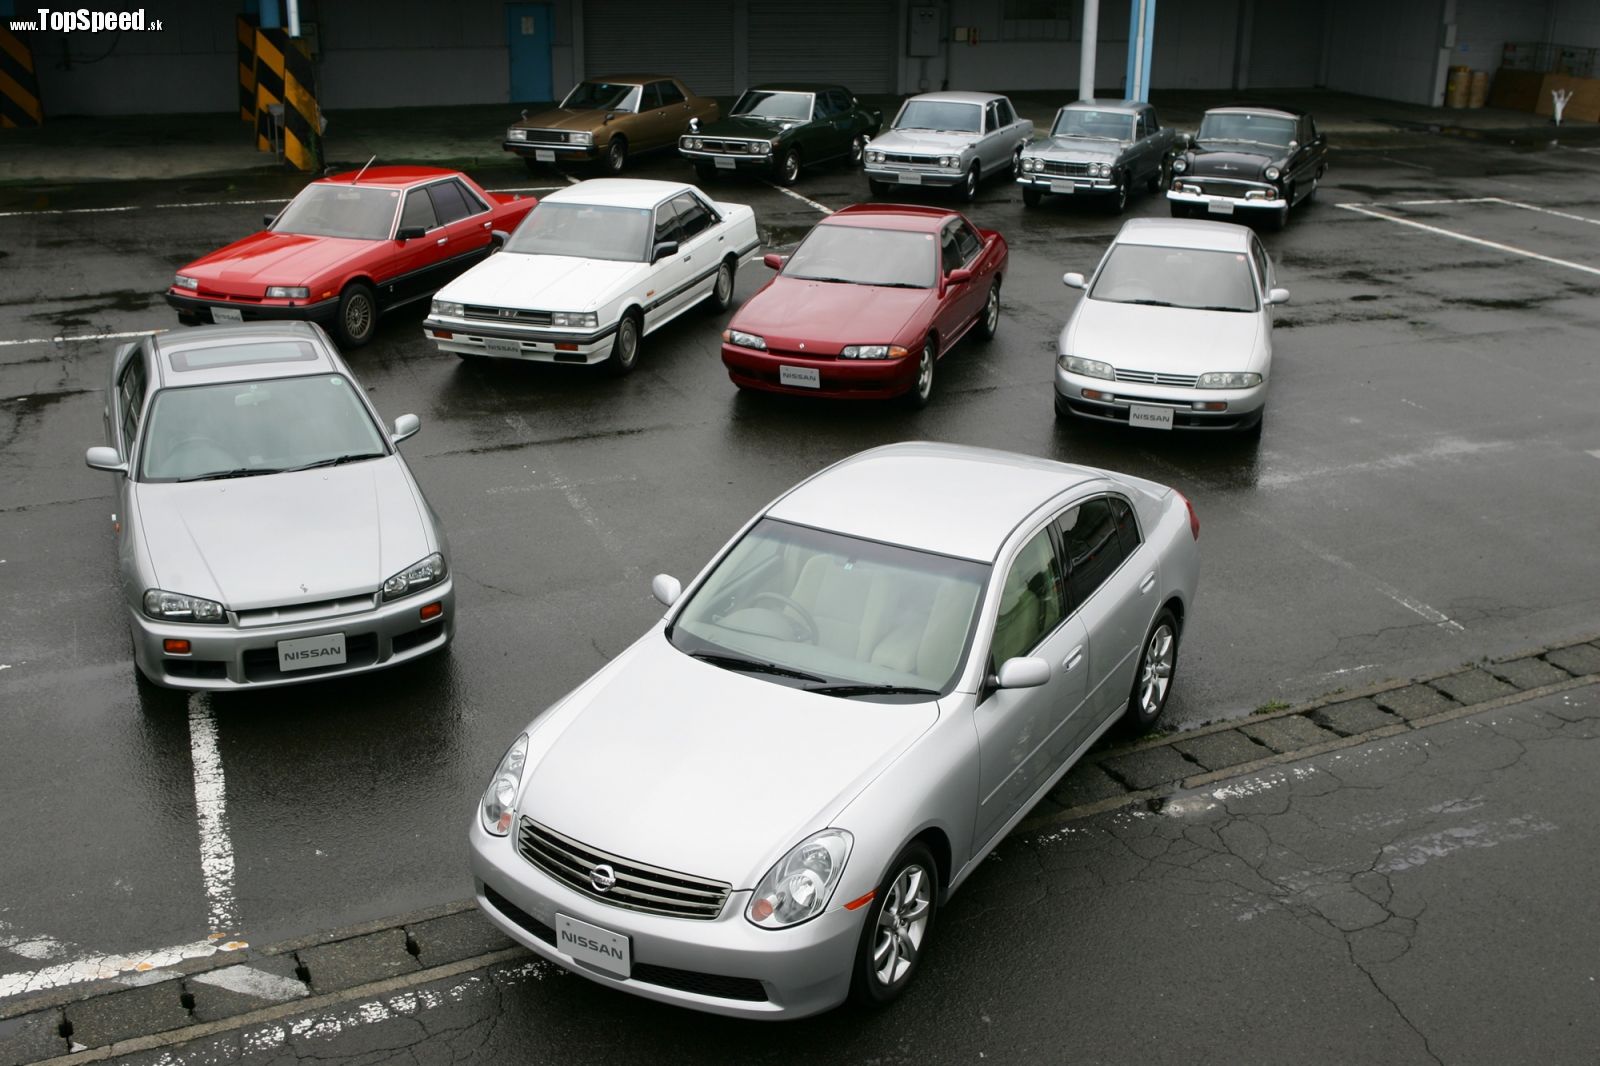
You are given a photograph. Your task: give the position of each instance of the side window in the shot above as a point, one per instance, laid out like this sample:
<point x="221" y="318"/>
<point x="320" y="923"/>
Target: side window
<point x="1311" y="129"/>
<point x="474" y="202"/>
<point x="652" y="97"/>
<point x="130" y="400"/>
<point x="1030" y="600"/>
<point x="967" y="242"/>
<point x="1003" y="112"/>
<point x="693" y="217"/>
<point x="448" y="204"/>
<point x="824" y="106"/>
<point x="1142" y="130"/>
<point x="1152" y="123"/>
<point x="667" y="228"/>
<point x="991" y="116"/>
<point x="1263" y="265"/>
<point x="418" y="210"/>
<point x="841" y="101"/>
<point x="949" y="249"/>
<point x="669" y="93"/>
<point x="1089" y="537"/>
<point x="1127" y="524"/>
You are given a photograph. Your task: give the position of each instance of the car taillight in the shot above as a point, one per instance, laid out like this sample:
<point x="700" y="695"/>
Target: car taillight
<point x="1194" y="519"/>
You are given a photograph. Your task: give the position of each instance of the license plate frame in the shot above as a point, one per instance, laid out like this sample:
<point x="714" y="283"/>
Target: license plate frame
<point x="1219" y="207"/>
<point x="799" y="377"/>
<point x="1143" y="417"/>
<point x="1064" y="188"/>
<point x="501" y="346"/>
<point x="544" y="155"/>
<point x="610" y="953"/>
<point x="726" y="162"/>
<point x="331" y="647"/>
<point x="224" y="316"/>
<point x="908" y="178"/>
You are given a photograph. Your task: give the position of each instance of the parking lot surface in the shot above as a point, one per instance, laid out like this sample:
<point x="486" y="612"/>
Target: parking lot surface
<point x="1422" y="496"/>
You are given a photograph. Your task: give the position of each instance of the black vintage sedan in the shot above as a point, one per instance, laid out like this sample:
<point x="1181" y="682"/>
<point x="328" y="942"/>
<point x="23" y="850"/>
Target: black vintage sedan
<point x="776" y="130"/>
<point x="1251" y="160"/>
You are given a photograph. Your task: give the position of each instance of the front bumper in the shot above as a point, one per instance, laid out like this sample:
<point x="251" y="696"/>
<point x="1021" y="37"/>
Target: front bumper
<point x="1063" y="184"/>
<point x="535" y="344"/>
<point x="231" y="656"/>
<point x="196" y="310"/>
<point x="838" y="379"/>
<point x="892" y="175"/>
<point x="728" y="161"/>
<point x="723" y="966"/>
<point x="552" y="153"/>
<point x="1114" y="400"/>
<point x="1226" y="203"/>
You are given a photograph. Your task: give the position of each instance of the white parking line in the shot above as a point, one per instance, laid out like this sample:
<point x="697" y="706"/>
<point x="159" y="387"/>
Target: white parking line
<point x="211" y="808"/>
<point x="83" y="337"/>
<point x="803" y="199"/>
<point x="1496" y="245"/>
<point x="101" y="967"/>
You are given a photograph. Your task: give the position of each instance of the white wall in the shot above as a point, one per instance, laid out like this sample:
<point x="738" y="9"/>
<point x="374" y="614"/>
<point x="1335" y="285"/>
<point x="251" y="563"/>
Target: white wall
<point x="1385" y="48"/>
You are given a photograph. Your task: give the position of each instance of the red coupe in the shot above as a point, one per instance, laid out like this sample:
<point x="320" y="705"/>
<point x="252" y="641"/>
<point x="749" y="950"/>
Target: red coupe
<point x="349" y="248"/>
<point x="863" y="308"/>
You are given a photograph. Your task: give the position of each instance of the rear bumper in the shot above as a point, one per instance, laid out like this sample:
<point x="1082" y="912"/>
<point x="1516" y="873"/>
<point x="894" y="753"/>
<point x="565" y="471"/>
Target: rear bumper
<point x="196" y="310"/>
<point x="839" y="379"/>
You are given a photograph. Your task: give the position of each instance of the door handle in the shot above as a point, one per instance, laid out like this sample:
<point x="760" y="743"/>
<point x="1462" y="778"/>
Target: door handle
<point x="486" y="225"/>
<point x="1074" y="657"/>
<point x="1148" y="583"/>
<point x="441" y="240"/>
<point x="688" y="259"/>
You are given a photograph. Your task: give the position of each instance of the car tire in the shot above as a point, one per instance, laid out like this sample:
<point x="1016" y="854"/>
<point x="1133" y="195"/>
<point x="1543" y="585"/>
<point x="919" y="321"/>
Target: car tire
<point x="969" y="184"/>
<point x="877" y="188"/>
<point x="1117" y="203"/>
<point x="989" y="318"/>
<point x="1032" y="196"/>
<point x="721" y="297"/>
<point x="1016" y="162"/>
<point x="1155" y="180"/>
<point x="1152" y="679"/>
<point x="1280" y="218"/>
<point x="899" y="924"/>
<point x="788" y="171"/>
<point x="616" y="157"/>
<point x="357" y="317"/>
<point x="858" y="149"/>
<point x="625" y="345"/>
<point x="921" y="390"/>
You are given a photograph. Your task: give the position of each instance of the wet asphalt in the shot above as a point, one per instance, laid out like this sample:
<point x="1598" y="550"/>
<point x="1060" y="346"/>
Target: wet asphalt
<point x="1424" y="494"/>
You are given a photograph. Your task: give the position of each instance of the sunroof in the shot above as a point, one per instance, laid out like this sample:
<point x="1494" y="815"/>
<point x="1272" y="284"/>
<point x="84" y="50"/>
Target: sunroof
<point x="242" y="355"/>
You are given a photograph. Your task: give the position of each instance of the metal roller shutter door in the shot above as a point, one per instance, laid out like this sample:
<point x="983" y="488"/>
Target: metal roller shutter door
<point x="690" y="39"/>
<point x="851" y="42"/>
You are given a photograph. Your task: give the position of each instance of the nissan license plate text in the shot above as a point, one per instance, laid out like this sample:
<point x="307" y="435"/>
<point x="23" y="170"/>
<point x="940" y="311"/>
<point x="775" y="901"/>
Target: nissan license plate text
<point x="1150" y="417"/>
<point x="805" y="377"/>
<point x="306" y="653"/>
<point x="600" y="948"/>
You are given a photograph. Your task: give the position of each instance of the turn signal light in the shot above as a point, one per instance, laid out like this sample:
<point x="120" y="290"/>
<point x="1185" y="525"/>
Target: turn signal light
<point x="1096" y="394"/>
<point x="566" y="347"/>
<point x="431" y="611"/>
<point x="1211" y="405"/>
<point x="175" y="647"/>
<point x="1194" y="519"/>
<point x="442" y="334"/>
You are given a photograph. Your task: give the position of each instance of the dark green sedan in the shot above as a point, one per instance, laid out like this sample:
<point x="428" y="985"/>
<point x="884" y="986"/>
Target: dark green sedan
<point x="778" y="129"/>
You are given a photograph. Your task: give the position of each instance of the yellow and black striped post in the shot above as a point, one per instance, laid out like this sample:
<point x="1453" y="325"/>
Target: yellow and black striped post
<point x="284" y="76"/>
<point x="245" y="31"/>
<point x="269" y="85"/>
<point x="19" y="87"/>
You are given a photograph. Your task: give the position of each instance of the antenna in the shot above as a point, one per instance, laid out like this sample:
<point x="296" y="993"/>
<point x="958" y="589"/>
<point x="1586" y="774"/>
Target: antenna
<point x="363" y="170"/>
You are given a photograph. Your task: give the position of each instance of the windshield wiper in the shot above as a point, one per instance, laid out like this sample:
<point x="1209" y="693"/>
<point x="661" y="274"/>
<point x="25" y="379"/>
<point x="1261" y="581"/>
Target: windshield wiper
<point x="243" y="471"/>
<point x="754" y="666"/>
<point x="896" y="285"/>
<point x="852" y="689"/>
<point x="1219" y="307"/>
<point x="335" y="460"/>
<point x="1149" y="303"/>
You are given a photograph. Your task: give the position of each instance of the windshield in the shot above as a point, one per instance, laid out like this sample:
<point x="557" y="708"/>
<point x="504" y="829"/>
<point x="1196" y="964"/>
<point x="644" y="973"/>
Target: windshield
<point x="340" y="211"/>
<point x="835" y="609"/>
<point x="241" y="428"/>
<point x="861" y="256"/>
<point x="1176" y="277"/>
<point x="1081" y="123"/>
<point x="583" y="231"/>
<point x="1272" y="131"/>
<point x="760" y="103"/>
<point x="602" y="96"/>
<point x="940" y="115"/>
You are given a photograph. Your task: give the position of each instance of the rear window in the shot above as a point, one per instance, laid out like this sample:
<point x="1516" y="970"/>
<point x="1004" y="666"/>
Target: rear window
<point x="242" y="355"/>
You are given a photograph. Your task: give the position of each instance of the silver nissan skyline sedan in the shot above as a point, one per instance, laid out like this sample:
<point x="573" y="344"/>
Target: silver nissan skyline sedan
<point x="268" y="531"/>
<point x="759" y="807"/>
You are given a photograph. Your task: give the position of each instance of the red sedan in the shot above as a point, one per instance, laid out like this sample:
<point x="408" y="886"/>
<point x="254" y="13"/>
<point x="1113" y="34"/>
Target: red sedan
<point x="349" y="248"/>
<point x="874" y="295"/>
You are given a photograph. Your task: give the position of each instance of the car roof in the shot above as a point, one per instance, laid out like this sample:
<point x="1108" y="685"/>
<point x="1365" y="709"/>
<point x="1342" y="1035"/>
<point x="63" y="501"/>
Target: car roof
<point x="630" y="79"/>
<point x="799" y="86"/>
<point x="392" y="176"/>
<point x="1246" y="109"/>
<point x="959" y="97"/>
<point x="619" y="192"/>
<point x="944" y="498"/>
<point x="1185" y="233"/>
<point x="919" y="218"/>
<point x="171" y="347"/>
<point x="1126" y="107"/>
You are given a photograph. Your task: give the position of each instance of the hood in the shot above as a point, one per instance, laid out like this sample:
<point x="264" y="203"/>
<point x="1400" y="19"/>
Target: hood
<point x="829" y="315"/>
<point x="1079" y="149"/>
<point x="760" y="129"/>
<point x="281" y="539"/>
<point x="1243" y="163"/>
<point x="1172" y="340"/>
<point x="540" y="282"/>
<point x="670" y="761"/>
<point x="248" y="266"/>
<point x="924" y="142"/>
<point x="567" y="118"/>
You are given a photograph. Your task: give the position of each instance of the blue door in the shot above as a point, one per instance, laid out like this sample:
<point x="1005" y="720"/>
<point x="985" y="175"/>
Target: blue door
<point x="528" y="31"/>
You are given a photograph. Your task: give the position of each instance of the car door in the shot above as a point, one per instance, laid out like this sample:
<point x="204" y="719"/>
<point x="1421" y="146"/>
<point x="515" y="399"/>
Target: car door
<point x="124" y="413"/>
<point x="675" y="111"/>
<point x="701" y="243"/>
<point x="836" y="123"/>
<point x="668" y="273"/>
<point x="1111" y="575"/>
<point x="466" y="224"/>
<point x="992" y="149"/>
<point x="414" y="259"/>
<point x="1140" y="152"/>
<point x="953" y="314"/>
<point x="1161" y="141"/>
<point x="1022" y="732"/>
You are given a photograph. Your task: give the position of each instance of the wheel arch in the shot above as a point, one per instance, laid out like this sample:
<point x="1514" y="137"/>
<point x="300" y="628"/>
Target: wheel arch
<point x="935" y="840"/>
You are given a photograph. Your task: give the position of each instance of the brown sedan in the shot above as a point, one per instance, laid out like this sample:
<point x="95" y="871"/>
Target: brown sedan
<point x="606" y="120"/>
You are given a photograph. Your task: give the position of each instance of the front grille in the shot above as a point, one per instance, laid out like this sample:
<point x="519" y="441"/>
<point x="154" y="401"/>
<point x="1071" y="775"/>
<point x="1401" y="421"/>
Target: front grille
<point x="547" y="137"/>
<point x="507" y="314"/>
<point x="261" y="664"/>
<point x="912" y="160"/>
<point x="1226" y="186"/>
<point x="1071" y="170"/>
<point x="735" y="147"/>
<point x="304" y="612"/>
<point x="639" y="886"/>
<point x="1149" y="377"/>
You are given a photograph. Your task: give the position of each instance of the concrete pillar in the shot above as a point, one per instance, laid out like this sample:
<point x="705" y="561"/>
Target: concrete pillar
<point x="1091" y="41"/>
<point x="1141" y="39"/>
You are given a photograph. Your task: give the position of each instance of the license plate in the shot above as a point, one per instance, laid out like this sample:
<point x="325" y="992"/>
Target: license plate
<point x="226" y="314"/>
<point x="600" y="948"/>
<point x="910" y="179"/>
<point x="1220" y="207"/>
<point x="1150" y="417"/>
<point x="307" y="653"/>
<point x="1064" y="186"/>
<point x="805" y="377"/>
<point x="725" y="162"/>
<point x="501" y="347"/>
<point x="544" y="155"/>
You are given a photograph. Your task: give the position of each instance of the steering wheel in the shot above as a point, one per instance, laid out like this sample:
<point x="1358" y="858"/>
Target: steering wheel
<point x="810" y="632"/>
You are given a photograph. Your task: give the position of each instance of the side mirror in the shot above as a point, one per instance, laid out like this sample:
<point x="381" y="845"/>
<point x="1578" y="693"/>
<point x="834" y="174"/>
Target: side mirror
<point x="1278" y="296"/>
<point x="694" y="125"/>
<point x="958" y="276"/>
<point x="666" y="588"/>
<point x="498" y="238"/>
<point x="405" y="426"/>
<point x="1184" y="140"/>
<point x="107" y="459"/>
<point x="1294" y="146"/>
<point x="268" y="219"/>
<point x="663" y="249"/>
<point x="409" y="233"/>
<point x="1023" y="672"/>
<point x="610" y="115"/>
<point x="774" y="261"/>
<point x="1073" y="280"/>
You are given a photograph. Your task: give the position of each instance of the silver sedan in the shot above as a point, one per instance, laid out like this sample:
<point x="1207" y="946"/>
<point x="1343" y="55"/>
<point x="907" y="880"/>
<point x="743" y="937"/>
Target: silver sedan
<point x="268" y="530"/>
<point x="760" y="806"/>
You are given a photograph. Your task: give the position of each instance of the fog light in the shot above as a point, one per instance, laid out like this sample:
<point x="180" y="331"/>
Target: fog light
<point x="430" y="611"/>
<point x="175" y="647"/>
<point x="1211" y="405"/>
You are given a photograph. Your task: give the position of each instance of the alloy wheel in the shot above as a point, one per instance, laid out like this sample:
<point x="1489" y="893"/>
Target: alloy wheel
<point x="358" y="316"/>
<point x="925" y="373"/>
<point x="724" y="289"/>
<point x="627" y="343"/>
<point x="1155" y="675"/>
<point x="902" y="923"/>
<point x="991" y="313"/>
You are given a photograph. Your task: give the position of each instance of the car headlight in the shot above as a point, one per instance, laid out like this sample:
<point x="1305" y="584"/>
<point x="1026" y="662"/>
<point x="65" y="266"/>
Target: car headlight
<point x="1102" y="170"/>
<point x="181" y="282"/>
<point x="1228" y="379"/>
<point x="420" y="575"/>
<point x="1033" y="163"/>
<point x="1179" y="166"/>
<point x="176" y="607"/>
<point x="799" y="887"/>
<point x="287" y="292"/>
<point x="1272" y="173"/>
<point x="872" y="351"/>
<point x="744" y="340"/>
<point x="874" y="157"/>
<point x="516" y="134"/>
<point x="446" y="307"/>
<point x="950" y="161"/>
<point x="580" y="138"/>
<point x="692" y="143"/>
<point x="498" y="808"/>
<point x="575" y="319"/>
<point x="1089" y="368"/>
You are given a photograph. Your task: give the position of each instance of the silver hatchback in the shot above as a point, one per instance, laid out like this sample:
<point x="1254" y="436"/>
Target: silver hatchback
<point x="268" y="530"/>
<point x="760" y="806"/>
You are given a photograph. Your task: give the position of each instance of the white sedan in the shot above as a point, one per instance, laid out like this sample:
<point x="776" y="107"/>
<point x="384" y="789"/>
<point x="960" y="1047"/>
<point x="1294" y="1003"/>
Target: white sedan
<point x="593" y="269"/>
<point x="1174" y="331"/>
